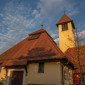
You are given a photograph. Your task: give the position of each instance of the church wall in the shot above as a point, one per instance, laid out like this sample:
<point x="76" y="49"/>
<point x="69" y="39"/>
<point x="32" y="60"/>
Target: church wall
<point x="52" y="74"/>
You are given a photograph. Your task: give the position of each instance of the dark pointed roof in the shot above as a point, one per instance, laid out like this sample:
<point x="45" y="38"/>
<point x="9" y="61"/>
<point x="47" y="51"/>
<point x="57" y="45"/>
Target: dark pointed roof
<point x="41" y="48"/>
<point x="65" y="19"/>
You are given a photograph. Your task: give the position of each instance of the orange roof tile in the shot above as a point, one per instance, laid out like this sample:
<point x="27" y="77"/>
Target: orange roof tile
<point x="63" y="19"/>
<point x="72" y="54"/>
<point x="41" y="48"/>
<point x="38" y="31"/>
<point x="15" y="62"/>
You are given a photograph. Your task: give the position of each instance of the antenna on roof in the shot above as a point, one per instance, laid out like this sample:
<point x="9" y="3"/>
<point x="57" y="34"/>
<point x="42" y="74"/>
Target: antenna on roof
<point x="41" y="26"/>
<point x="64" y="10"/>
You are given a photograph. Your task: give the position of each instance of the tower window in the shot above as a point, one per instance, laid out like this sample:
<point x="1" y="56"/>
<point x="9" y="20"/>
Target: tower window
<point x="64" y="27"/>
<point x="41" y="68"/>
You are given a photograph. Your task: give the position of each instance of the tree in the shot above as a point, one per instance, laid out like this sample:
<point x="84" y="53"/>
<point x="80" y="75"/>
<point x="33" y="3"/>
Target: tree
<point x="78" y="44"/>
<point x="78" y="57"/>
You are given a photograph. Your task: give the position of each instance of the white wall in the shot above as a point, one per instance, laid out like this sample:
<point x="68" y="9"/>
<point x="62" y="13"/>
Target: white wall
<point x="52" y="74"/>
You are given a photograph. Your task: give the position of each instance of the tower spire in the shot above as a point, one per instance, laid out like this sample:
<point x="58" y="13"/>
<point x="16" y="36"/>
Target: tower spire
<point x="64" y="10"/>
<point x="41" y="26"/>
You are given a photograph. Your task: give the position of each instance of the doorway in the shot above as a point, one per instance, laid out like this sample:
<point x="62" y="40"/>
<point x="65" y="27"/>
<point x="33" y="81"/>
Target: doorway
<point x="17" y="78"/>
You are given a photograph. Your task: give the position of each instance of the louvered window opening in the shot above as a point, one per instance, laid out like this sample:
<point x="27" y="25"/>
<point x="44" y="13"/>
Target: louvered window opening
<point x="64" y="27"/>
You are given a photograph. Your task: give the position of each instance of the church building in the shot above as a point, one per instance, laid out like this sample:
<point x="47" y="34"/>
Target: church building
<point x="37" y="60"/>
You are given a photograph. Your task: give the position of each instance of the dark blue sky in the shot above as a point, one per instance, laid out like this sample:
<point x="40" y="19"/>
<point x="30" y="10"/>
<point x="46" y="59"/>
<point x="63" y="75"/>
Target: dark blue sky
<point x="18" y="18"/>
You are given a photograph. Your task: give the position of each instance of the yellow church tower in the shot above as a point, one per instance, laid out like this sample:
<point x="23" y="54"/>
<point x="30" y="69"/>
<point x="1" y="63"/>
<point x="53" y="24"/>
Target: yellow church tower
<point x="66" y="33"/>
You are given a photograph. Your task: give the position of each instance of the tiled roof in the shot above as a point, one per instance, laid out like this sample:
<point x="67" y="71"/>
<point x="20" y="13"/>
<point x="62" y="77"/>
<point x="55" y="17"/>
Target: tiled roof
<point x="64" y="19"/>
<point x="72" y="54"/>
<point x="41" y="48"/>
<point x="14" y="62"/>
<point x="38" y="31"/>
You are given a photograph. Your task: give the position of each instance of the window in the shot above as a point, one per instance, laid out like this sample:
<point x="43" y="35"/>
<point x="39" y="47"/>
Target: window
<point x="34" y="36"/>
<point x="64" y="27"/>
<point x="41" y="68"/>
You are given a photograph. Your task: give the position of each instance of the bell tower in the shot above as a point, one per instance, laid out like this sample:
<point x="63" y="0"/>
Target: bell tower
<point x="66" y="33"/>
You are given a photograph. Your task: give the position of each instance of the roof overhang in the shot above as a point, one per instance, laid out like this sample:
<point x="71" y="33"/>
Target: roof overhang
<point x="66" y="22"/>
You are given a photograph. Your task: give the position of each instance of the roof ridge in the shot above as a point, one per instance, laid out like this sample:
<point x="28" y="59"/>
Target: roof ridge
<point x="38" y="31"/>
<point x="18" y="51"/>
<point x="13" y="46"/>
<point x="57" y="48"/>
<point x="64" y="19"/>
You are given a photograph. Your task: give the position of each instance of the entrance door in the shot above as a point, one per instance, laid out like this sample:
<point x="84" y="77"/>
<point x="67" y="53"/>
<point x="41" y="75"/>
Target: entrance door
<point x="17" y="78"/>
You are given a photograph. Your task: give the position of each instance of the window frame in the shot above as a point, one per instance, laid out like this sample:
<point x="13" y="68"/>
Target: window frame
<point x="41" y="67"/>
<point x="64" y="26"/>
<point x="35" y="36"/>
